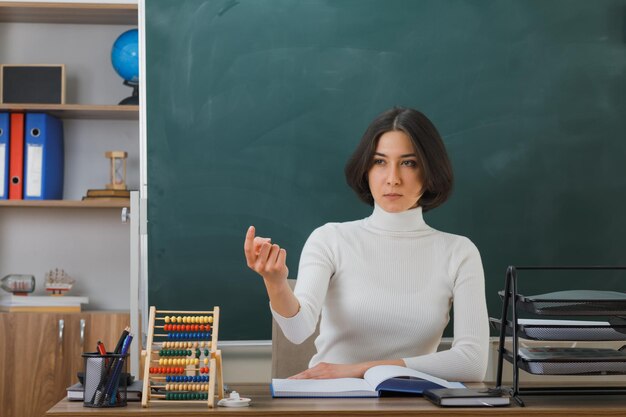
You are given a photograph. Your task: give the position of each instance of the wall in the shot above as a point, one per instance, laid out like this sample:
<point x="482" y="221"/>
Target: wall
<point x="247" y="363"/>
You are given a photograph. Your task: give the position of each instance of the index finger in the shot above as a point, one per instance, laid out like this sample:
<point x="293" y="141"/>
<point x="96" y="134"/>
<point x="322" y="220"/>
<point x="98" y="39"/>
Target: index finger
<point x="249" y="242"/>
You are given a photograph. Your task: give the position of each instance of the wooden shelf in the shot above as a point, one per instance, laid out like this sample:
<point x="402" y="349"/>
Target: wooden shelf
<point x="66" y="203"/>
<point x="84" y="13"/>
<point x="79" y="111"/>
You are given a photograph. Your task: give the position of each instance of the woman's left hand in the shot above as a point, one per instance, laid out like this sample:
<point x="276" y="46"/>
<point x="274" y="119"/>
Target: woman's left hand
<point x="325" y="370"/>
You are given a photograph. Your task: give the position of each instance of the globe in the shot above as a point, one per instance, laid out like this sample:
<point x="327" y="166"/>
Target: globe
<point x="125" y="60"/>
<point x="125" y="56"/>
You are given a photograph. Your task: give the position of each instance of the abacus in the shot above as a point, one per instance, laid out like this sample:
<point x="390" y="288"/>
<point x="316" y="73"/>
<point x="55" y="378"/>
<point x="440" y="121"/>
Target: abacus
<point x="182" y="362"/>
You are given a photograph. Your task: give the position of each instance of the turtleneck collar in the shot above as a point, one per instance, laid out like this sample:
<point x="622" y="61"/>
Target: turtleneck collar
<point x="406" y="221"/>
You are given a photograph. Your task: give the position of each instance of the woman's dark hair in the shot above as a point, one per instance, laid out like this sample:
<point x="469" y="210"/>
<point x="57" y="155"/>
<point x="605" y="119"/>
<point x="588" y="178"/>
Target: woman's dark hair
<point x="431" y="153"/>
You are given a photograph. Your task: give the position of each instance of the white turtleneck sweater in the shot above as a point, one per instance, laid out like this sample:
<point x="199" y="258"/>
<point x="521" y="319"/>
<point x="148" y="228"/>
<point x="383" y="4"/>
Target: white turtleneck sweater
<point x="384" y="286"/>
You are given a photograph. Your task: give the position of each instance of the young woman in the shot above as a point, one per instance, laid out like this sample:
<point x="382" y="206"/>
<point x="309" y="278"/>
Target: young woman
<point x="384" y="285"/>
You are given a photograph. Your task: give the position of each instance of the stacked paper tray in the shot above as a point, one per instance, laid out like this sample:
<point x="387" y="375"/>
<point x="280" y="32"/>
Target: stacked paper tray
<point x="554" y="330"/>
<point x="574" y="303"/>
<point x="570" y="361"/>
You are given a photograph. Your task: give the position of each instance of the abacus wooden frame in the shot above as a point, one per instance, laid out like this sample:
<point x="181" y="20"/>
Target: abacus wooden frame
<point x="215" y="363"/>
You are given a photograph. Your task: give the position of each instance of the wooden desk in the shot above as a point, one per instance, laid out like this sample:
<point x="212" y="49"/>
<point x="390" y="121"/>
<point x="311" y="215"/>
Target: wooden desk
<point x="264" y="405"/>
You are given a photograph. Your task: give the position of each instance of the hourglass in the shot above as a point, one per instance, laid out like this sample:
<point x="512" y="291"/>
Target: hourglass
<point x="118" y="170"/>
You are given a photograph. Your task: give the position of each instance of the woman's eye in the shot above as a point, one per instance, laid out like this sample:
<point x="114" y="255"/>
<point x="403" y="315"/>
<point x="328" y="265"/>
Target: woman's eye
<point x="410" y="163"/>
<point x="378" y="161"/>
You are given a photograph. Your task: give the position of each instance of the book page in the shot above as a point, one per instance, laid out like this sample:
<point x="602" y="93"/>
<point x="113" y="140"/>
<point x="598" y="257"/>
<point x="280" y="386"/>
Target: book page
<point x="377" y="374"/>
<point x="320" y="385"/>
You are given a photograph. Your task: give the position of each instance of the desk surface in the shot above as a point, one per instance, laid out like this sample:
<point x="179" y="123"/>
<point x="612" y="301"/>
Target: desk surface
<point x="264" y="405"/>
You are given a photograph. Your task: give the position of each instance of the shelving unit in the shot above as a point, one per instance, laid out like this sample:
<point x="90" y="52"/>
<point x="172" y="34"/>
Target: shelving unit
<point x="78" y="35"/>
<point x="91" y="242"/>
<point x="86" y="238"/>
<point x="548" y="360"/>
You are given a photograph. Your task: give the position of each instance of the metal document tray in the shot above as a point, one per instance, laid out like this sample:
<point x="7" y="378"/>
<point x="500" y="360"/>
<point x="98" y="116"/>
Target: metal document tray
<point x="574" y="303"/>
<point x="554" y="330"/>
<point x="570" y="361"/>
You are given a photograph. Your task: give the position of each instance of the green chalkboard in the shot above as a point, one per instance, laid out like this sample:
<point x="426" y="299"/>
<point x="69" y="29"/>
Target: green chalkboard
<point x="254" y="106"/>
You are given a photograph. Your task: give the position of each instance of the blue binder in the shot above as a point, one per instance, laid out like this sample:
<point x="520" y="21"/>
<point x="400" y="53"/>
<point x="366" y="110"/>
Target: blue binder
<point x="43" y="157"/>
<point x="4" y="155"/>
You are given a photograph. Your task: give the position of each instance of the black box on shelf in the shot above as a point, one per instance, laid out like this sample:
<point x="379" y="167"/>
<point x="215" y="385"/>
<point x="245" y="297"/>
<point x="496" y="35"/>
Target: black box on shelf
<point x="32" y="84"/>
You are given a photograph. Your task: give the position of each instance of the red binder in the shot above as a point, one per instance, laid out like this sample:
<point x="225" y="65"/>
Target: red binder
<point x="16" y="157"/>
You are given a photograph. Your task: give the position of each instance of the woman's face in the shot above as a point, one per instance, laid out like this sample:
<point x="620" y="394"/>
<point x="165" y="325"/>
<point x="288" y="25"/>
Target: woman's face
<point x="395" y="178"/>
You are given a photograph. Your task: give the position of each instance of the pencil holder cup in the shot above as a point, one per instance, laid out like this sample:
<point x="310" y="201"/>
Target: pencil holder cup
<point x="105" y="381"/>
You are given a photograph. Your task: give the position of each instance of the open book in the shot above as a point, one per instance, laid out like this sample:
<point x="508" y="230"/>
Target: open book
<point x="377" y="380"/>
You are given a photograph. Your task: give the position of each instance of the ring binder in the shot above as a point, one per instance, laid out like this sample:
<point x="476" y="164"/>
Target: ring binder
<point x="4" y="155"/>
<point x="43" y="157"/>
<point x="16" y="156"/>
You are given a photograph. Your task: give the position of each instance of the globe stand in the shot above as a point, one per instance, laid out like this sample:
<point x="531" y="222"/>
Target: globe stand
<point x="133" y="99"/>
